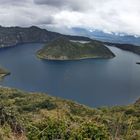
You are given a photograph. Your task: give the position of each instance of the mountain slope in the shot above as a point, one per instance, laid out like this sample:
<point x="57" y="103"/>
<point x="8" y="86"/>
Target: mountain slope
<point x="64" y="49"/>
<point x="11" y="36"/>
<point x="36" y="116"/>
<point x="128" y="47"/>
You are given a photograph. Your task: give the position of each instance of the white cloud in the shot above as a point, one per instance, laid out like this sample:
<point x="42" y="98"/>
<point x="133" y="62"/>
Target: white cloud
<point x="108" y="15"/>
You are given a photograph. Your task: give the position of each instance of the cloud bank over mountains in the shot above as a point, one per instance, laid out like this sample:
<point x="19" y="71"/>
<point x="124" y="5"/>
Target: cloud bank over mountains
<point x="121" y="16"/>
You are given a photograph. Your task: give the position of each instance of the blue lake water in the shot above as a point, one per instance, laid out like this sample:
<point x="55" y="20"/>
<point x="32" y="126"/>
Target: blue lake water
<point x="93" y="82"/>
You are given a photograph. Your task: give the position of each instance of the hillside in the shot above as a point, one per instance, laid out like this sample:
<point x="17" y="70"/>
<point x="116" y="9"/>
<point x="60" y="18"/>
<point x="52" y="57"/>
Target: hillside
<point x="64" y="49"/>
<point x="11" y="36"/>
<point x="36" y="116"/>
<point x="127" y="47"/>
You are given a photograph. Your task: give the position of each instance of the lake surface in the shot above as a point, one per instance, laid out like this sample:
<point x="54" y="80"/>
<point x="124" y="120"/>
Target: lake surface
<point x="93" y="82"/>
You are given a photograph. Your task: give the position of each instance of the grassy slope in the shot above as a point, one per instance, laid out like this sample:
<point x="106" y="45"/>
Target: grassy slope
<point x="39" y="116"/>
<point x="63" y="49"/>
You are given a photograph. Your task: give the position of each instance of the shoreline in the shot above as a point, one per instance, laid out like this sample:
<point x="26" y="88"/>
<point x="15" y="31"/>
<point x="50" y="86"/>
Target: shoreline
<point x="63" y="99"/>
<point x="3" y="73"/>
<point x="63" y="58"/>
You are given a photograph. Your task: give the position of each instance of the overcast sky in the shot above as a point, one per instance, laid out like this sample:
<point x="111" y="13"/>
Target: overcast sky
<point x="107" y="15"/>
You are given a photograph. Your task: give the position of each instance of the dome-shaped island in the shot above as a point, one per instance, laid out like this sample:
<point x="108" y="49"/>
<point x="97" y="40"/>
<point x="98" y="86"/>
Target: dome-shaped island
<point x="64" y="49"/>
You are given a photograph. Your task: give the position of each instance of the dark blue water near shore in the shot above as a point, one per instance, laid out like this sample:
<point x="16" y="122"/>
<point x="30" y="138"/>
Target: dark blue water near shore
<point x="94" y="82"/>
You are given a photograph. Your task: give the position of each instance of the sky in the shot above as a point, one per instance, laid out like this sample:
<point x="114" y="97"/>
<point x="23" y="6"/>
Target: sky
<point x="119" y="16"/>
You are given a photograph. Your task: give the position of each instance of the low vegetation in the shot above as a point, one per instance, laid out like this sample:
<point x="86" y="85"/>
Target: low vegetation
<point x="36" y="116"/>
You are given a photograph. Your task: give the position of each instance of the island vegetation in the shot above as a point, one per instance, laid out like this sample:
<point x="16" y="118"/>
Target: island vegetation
<point x="64" y="49"/>
<point x="36" y="116"/>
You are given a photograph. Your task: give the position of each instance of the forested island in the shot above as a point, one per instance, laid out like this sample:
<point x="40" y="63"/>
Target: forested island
<point x="64" y="49"/>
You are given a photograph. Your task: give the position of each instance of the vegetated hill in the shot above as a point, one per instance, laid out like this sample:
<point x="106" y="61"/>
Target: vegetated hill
<point x="64" y="49"/>
<point x="3" y="72"/>
<point x="11" y="36"/>
<point x="37" y="116"/>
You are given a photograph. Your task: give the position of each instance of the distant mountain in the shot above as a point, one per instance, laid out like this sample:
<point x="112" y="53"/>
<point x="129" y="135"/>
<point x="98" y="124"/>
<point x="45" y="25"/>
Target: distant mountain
<point x="11" y="36"/>
<point x="64" y="49"/>
<point x="108" y="37"/>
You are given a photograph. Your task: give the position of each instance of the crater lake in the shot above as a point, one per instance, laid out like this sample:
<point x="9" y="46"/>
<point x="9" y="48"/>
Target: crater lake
<point x="93" y="82"/>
